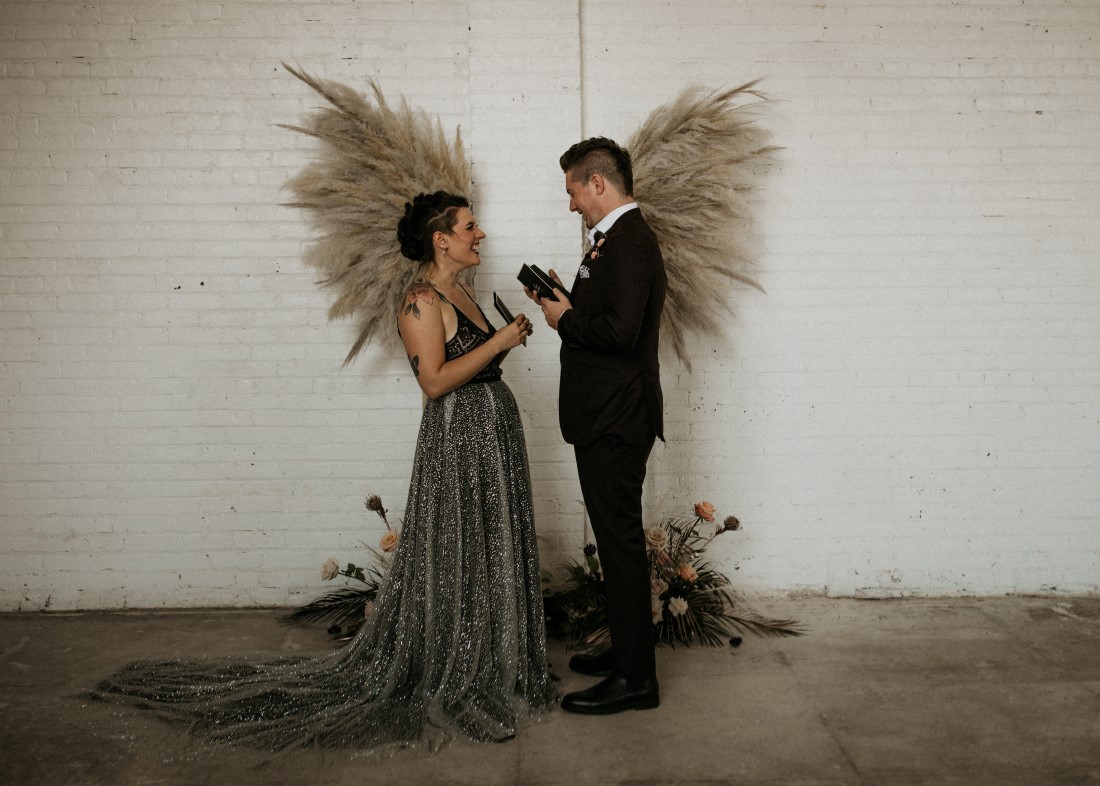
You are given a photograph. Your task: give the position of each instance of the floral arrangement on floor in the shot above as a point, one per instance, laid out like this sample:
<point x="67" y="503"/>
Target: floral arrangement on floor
<point x="345" y="609"/>
<point x="692" y="603"/>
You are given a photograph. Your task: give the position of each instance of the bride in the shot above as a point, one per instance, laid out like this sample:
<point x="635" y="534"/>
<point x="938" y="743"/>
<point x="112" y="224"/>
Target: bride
<point x="456" y="646"/>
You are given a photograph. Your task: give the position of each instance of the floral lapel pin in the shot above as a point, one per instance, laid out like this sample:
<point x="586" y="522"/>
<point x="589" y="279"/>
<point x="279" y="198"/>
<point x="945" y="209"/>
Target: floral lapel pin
<point x="592" y="255"/>
<point x="597" y="247"/>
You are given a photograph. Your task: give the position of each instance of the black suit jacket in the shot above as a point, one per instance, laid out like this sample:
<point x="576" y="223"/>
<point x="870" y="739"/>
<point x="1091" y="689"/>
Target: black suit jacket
<point x="610" y="372"/>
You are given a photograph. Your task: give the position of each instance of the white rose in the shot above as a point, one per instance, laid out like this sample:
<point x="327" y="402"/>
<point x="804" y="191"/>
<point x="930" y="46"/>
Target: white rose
<point x="330" y="569"/>
<point x="656" y="538"/>
<point x="678" y="606"/>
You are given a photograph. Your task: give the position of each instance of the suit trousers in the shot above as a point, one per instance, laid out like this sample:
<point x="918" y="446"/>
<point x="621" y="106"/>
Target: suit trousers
<point x="611" y="475"/>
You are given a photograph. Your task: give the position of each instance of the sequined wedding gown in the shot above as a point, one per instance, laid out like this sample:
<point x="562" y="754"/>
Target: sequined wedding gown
<point x="455" y="647"/>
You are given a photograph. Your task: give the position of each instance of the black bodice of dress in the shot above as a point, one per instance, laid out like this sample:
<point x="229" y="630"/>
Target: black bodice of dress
<point x="469" y="337"/>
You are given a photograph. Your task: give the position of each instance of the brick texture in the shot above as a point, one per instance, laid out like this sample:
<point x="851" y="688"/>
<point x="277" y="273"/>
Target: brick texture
<point x="911" y="408"/>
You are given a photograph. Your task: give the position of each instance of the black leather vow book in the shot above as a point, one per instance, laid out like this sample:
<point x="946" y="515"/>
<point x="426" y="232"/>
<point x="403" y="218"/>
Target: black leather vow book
<point x="505" y="314"/>
<point x="502" y="309"/>
<point x="538" y="282"/>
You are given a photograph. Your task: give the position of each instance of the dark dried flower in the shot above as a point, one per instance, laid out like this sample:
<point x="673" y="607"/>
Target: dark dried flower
<point x="589" y="549"/>
<point x="731" y="524"/>
<point x="374" y="502"/>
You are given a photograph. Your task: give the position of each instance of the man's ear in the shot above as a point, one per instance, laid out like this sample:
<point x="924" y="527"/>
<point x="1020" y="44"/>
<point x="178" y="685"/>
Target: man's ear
<point x="598" y="183"/>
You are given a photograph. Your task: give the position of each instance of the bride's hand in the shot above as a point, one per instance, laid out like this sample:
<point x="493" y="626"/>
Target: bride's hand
<point x="515" y="332"/>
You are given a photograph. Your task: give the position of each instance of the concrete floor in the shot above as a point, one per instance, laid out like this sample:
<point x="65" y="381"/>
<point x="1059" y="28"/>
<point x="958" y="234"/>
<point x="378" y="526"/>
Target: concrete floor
<point x="958" y="691"/>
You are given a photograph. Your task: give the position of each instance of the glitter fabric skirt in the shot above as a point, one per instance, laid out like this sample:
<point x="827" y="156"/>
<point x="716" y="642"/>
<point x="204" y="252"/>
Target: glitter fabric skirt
<point x="456" y="644"/>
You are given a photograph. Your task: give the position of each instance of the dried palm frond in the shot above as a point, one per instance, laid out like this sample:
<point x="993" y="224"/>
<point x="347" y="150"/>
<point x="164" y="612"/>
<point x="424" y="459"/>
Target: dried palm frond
<point x="694" y="161"/>
<point x="343" y="606"/>
<point x="372" y="160"/>
<point x="751" y="622"/>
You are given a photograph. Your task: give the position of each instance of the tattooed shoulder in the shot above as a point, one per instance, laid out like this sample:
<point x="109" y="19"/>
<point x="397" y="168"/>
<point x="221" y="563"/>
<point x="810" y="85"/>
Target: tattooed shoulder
<point x="418" y="292"/>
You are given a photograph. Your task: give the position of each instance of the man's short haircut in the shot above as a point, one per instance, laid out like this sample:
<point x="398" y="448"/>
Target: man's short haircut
<point x="600" y="156"/>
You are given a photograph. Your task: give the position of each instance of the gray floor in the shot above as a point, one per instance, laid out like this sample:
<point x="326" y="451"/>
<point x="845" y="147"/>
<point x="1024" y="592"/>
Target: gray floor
<point x="983" y="691"/>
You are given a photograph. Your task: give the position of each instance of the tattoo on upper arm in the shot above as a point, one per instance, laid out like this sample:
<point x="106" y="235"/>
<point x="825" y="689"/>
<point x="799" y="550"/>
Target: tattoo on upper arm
<point x="421" y="292"/>
<point x="414" y="361"/>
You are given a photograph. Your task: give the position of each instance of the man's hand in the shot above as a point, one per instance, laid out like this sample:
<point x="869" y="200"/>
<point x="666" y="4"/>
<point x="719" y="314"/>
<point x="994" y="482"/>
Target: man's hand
<point x="551" y="309"/>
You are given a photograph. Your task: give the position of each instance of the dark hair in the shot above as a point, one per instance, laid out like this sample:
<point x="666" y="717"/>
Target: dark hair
<point x="424" y="216"/>
<point x="600" y="156"/>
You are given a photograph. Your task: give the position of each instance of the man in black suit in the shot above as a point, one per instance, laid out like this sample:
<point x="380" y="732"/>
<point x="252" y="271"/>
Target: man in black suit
<point x="611" y="409"/>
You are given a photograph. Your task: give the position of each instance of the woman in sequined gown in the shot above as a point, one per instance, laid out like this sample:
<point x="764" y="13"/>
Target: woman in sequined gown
<point x="455" y="647"/>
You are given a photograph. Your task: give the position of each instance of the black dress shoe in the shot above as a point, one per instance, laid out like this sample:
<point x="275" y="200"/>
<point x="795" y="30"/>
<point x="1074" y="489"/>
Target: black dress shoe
<point x="593" y="665"/>
<point x="614" y="694"/>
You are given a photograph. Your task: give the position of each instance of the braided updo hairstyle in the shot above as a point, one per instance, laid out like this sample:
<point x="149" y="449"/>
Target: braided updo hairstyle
<point x="424" y="216"/>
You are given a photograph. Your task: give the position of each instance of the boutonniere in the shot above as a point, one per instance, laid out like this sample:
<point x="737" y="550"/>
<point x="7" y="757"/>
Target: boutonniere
<point x="594" y="254"/>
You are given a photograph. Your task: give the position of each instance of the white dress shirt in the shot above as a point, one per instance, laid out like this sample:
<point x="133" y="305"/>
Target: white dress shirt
<point x="609" y="220"/>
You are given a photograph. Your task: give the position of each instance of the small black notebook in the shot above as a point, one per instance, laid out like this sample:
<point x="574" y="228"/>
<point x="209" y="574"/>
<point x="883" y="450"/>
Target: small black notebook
<point x="502" y="309"/>
<point x="538" y="282"/>
<point x="505" y="314"/>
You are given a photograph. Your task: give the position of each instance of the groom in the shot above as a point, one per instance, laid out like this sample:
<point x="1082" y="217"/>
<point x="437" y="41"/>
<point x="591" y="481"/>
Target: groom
<point x="610" y="408"/>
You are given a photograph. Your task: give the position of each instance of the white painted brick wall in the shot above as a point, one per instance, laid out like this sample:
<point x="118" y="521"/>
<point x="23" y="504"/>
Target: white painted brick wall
<point x="912" y="408"/>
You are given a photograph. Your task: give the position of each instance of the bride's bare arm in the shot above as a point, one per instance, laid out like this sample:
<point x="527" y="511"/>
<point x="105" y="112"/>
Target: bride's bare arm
<point x="424" y="336"/>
